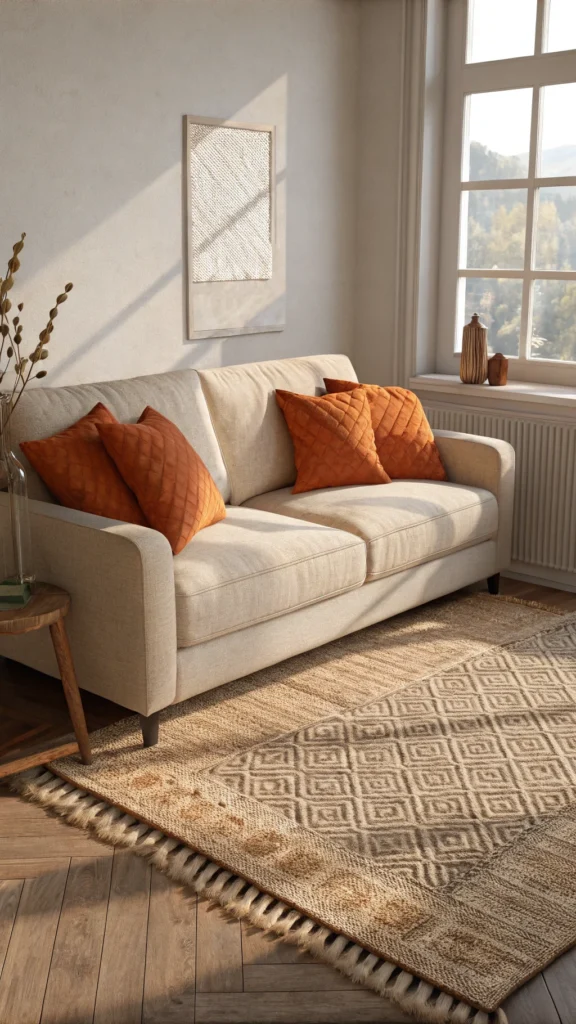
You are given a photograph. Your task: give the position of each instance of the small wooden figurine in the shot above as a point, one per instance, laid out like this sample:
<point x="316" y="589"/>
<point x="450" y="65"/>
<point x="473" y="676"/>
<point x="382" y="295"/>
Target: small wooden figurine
<point x="498" y="370"/>
<point x="474" y="357"/>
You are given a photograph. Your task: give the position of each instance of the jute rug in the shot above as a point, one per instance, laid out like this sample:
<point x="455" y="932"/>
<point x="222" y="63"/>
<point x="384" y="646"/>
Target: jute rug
<point x="401" y="803"/>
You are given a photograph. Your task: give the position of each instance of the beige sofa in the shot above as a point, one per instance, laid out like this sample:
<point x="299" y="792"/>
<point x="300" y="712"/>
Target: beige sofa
<point x="281" y="574"/>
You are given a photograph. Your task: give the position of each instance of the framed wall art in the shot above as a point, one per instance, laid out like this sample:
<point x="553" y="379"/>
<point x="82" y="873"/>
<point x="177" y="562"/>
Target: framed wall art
<point x="235" y="229"/>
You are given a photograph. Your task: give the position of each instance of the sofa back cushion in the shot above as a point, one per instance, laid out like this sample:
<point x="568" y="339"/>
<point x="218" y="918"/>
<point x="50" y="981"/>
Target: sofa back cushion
<point x="174" y="489"/>
<point x="249" y="425"/>
<point x="78" y="471"/>
<point x="177" y="395"/>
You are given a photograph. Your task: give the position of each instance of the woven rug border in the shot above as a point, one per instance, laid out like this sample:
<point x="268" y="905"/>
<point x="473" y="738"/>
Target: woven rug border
<point x="244" y="901"/>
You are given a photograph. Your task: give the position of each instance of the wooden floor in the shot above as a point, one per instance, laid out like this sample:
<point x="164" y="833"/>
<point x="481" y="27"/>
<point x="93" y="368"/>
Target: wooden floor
<point x="91" y="934"/>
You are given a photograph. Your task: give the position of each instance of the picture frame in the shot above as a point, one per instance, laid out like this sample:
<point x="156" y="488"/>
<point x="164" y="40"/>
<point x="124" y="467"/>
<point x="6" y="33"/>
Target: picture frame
<point x="244" y="287"/>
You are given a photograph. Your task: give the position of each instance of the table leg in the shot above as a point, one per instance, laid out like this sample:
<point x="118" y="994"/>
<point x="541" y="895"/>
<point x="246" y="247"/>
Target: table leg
<point x="70" y="687"/>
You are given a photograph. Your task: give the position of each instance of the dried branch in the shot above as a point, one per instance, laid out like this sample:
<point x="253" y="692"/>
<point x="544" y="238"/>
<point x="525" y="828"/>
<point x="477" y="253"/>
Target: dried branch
<point x="11" y="357"/>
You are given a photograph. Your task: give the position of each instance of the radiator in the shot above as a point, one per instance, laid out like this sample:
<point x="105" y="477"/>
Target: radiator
<point x="544" y="533"/>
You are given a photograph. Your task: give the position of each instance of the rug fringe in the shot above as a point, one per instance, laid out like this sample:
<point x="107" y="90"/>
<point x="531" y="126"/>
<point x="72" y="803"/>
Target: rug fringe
<point x="244" y="901"/>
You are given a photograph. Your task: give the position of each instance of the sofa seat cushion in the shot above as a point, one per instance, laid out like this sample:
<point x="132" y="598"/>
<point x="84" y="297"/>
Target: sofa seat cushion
<point x="403" y="523"/>
<point x="255" y="565"/>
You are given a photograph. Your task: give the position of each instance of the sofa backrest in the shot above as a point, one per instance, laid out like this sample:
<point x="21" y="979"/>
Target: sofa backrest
<point x="178" y="395"/>
<point x="249" y="425"/>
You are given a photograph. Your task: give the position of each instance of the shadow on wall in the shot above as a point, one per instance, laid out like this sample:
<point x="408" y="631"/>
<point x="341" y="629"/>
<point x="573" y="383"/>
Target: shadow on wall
<point x="141" y="302"/>
<point x="91" y="155"/>
<point x="111" y="163"/>
<point x="100" y="124"/>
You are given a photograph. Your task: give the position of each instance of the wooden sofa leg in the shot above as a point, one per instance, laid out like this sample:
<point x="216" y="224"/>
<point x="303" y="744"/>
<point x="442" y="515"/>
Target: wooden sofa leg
<point x="494" y="583"/>
<point x="150" y="725"/>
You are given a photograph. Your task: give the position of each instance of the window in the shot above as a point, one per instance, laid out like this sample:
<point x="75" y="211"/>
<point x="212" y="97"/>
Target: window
<point x="509" y="203"/>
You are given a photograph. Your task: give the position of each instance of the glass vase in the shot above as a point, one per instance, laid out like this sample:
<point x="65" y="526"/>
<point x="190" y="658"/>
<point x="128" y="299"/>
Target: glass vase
<point x="16" y="571"/>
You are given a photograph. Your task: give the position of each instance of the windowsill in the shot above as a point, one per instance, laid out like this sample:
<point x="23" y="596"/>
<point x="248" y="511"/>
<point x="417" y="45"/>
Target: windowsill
<point x="514" y="391"/>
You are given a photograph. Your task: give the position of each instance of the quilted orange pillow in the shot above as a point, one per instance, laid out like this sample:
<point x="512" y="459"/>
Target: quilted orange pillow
<point x="175" y="490"/>
<point x="333" y="440"/>
<point x="78" y="471"/>
<point x="404" y="439"/>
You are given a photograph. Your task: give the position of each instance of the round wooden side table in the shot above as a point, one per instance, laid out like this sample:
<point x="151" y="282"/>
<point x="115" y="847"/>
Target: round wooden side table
<point x="47" y="607"/>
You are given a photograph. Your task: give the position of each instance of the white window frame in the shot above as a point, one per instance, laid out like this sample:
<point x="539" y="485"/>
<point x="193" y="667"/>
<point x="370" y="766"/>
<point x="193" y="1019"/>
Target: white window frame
<point x="462" y="80"/>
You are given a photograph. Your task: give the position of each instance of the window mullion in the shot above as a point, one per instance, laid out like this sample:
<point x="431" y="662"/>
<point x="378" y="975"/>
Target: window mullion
<point x="531" y="212"/>
<point x="542" y="11"/>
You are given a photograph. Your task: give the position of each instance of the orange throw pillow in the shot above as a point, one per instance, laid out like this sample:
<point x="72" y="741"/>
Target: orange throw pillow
<point x="173" y="486"/>
<point x="404" y="439"/>
<point x="333" y="440"/>
<point x="78" y="471"/>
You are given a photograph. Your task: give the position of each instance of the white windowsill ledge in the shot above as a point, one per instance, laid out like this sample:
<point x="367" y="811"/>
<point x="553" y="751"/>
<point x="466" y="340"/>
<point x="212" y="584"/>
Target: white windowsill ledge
<point x="514" y="391"/>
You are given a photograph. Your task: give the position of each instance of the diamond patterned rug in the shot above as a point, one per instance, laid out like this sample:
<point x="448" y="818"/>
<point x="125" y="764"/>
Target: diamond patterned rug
<point x="434" y="778"/>
<point x="420" y="837"/>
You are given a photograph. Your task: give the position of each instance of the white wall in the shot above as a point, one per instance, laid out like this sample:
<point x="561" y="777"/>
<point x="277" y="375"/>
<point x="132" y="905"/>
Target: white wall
<point x="400" y="97"/>
<point x="92" y="96"/>
<point x="380" y="100"/>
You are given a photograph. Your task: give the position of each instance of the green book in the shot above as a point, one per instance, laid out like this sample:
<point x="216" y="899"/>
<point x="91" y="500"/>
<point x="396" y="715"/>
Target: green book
<point x="14" y="595"/>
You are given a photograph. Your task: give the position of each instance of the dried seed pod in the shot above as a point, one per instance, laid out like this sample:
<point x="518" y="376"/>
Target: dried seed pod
<point x="9" y="352"/>
<point x="5" y="306"/>
<point x="45" y="354"/>
<point x="61" y="298"/>
<point x="13" y="264"/>
<point x="4" y="330"/>
<point x="41" y="374"/>
<point x="6" y="284"/>
<point x="69" y="287"/>
<point x="42" y="335"/>
<point x="20" y="306"/>
<point x="16" y="321"/>
<point x="53" y="313"/>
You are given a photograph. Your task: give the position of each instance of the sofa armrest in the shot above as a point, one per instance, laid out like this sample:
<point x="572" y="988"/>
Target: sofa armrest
<point x="122" y="620"/>
<point x="483" y="462"/>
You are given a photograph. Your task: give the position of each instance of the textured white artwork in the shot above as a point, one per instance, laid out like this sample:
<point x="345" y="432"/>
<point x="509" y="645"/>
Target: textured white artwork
<point x="230" y="193"/>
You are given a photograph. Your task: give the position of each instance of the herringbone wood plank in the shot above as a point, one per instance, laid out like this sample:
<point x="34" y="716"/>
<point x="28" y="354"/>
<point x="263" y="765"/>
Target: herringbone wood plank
<point x="219" y="953"/>
<point x="27" y="964"/>
<point x="120" y="992"/>
<point x="169" y="987"/>
<point x="90" y="939"/>
<point x="78" y="945"/>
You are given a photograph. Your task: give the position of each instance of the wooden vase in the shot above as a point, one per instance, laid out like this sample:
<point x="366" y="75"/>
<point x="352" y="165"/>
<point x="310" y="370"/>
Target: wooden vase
<point x="498" y="370"/>
<point x="474" y="357"/>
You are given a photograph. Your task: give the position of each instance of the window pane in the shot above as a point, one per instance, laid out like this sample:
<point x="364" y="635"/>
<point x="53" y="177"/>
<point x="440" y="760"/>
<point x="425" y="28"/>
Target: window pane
<point x="556" y="228"/>
<point x="498" y="29"/>
<point x="493" y="229"/>
<point x="499" y="303"/>
<point x="498" y="135"/>
<point x="554" y="320"/>
<point x="561" y="25"/>
<point x="558" y="156"/>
